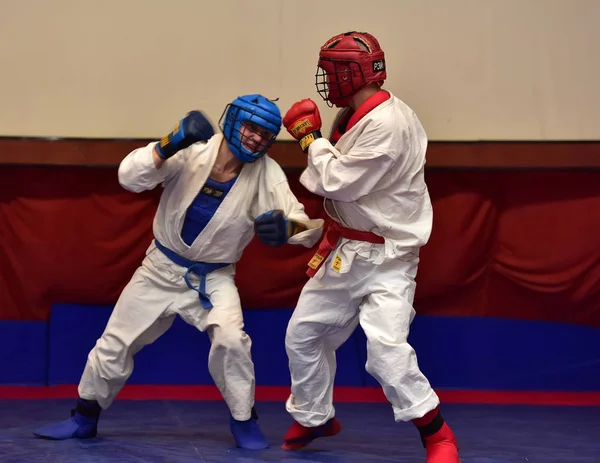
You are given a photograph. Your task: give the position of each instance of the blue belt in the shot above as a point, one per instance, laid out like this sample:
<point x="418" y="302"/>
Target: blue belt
<point x="199" y="268"/>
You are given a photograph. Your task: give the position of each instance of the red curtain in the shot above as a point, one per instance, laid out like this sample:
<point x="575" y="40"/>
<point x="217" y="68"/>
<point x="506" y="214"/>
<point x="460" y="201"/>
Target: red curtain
<point x="506" y="243"/>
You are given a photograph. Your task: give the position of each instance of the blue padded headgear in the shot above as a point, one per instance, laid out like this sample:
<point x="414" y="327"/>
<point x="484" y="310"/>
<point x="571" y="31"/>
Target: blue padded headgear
<point x="257" y="110"/>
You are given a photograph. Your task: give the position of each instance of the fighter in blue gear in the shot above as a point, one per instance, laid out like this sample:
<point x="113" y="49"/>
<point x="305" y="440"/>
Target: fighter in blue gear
<point x="236" y="192"/>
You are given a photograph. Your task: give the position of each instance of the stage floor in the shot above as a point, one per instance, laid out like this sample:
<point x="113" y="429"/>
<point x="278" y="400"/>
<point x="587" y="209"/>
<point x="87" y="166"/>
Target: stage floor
<point x="198" y="431"/>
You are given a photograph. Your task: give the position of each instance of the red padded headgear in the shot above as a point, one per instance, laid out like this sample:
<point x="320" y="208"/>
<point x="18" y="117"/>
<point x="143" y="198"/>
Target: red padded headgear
<point x="348" y="63"/>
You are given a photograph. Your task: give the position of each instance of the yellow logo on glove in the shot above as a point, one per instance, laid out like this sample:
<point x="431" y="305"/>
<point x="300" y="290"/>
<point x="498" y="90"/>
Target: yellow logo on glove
<point x="301" y="127"/>
<point x="164" y="141"/>
<point x="307" y="140"/>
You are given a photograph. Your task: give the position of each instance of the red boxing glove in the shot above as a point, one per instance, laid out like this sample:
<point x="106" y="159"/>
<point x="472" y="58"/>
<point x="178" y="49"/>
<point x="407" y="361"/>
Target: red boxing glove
<point x="303" y="122"/>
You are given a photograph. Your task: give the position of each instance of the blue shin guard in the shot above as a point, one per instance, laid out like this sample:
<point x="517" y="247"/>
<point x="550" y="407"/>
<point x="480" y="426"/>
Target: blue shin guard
<point x="247" y="434"/>
<point x="83" y="423"/>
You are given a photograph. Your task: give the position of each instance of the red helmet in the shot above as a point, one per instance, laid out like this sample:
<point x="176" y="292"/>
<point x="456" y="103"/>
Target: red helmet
<point x="348" y="63"/>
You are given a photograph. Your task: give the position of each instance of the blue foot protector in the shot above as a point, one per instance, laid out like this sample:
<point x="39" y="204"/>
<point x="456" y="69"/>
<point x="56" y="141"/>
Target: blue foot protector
<point x="83" y="423"/>
<point x="247" y="434"/>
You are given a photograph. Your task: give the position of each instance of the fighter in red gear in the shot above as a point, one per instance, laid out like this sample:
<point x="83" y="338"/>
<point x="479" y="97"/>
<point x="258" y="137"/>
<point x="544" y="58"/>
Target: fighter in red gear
<point x="371" y="175"/>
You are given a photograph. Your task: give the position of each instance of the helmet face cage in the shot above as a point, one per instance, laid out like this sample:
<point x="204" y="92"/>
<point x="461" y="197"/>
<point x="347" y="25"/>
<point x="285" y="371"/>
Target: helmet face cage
<point x="255" y="138"/>
<point x="338" y="80"/>
<point x="347" y="63"/>
<point x="247" y="133"/>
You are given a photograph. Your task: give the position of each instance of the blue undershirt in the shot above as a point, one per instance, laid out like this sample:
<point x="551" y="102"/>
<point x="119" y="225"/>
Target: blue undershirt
<point x="204" y="207"/>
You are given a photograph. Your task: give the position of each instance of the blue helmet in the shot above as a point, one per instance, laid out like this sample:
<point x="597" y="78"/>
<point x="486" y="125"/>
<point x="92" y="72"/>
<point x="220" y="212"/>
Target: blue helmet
<point x="250" y="125"/>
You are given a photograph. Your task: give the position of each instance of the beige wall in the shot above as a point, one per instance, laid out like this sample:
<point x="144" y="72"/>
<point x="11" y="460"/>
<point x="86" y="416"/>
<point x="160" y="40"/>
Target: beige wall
<point x="472" y="69"/>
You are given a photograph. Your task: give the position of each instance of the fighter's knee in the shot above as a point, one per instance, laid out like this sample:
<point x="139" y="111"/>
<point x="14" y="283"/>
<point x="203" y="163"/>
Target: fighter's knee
<point x="291" y="337"/>
<point x="299" y="336"/>
<point x="229" y="339"/>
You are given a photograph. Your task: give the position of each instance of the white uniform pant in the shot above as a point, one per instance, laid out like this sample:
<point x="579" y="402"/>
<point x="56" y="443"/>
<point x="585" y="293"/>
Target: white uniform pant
<point x="146" y="309"/>
<point x="380" y="298"/>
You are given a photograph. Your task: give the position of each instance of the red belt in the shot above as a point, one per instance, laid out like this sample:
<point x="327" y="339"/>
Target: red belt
<point x="332" y="234"/>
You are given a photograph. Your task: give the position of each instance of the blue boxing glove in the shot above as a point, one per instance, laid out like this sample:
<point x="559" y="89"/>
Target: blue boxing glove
<point x="192" y="128"/>
<point x="273" y="228"/>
